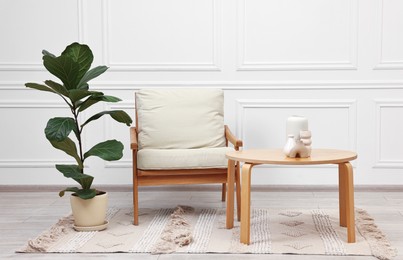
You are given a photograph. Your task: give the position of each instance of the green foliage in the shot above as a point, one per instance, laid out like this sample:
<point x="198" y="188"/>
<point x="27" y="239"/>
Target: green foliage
<point x="110" y="150"/>
<point x="74" y="172"/>
<point x="72" y="67"/>
<point x="59" y="128"/>
<point x="69" y="147"/>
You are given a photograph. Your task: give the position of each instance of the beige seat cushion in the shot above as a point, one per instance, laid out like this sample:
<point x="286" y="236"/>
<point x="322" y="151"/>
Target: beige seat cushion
<point x="180" y="118"/>
<point x="170" y="159"/>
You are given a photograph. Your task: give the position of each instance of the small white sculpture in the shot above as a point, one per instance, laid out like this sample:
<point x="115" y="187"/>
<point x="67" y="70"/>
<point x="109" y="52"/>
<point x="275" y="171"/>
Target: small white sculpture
<point x="306" y="139"/>
<point x="295" y="124"/>
<point x="296" y="148"/>
<point x="298" y="137"/>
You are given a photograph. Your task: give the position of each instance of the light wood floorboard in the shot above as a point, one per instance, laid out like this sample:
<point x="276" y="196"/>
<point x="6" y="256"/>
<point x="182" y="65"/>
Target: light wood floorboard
<point x="24" y="215"/>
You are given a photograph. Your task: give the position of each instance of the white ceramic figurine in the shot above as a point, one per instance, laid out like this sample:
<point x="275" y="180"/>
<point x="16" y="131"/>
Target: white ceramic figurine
<point x="298" y="137"/>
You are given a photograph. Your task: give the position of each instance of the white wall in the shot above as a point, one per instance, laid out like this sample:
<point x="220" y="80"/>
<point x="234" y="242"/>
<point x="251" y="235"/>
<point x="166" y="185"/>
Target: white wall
<point x="338" y="62"/>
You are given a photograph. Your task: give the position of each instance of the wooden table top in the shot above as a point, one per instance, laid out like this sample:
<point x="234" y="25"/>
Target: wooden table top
<point x="277" y="156"/>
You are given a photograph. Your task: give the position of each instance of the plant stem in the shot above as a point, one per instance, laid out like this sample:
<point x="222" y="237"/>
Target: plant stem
<point x="75" y="113"/>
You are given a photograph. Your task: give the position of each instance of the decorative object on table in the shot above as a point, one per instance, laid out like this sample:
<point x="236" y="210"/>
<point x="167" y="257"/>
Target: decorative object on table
<point x="72" y="67"/>
<point x="296" y="124"/>
<point x="275" y="231"/>
<point x="296" y="148"/>
<point x="305" y="136"/>
<point x="298" y="137"/>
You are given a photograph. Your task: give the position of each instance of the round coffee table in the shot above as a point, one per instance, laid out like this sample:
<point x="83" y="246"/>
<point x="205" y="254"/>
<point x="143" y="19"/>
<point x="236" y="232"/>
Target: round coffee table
<point x="276" y="156"/>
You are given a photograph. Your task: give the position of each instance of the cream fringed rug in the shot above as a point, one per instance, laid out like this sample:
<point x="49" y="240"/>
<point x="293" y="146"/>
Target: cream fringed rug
<point x="188" y="230"/>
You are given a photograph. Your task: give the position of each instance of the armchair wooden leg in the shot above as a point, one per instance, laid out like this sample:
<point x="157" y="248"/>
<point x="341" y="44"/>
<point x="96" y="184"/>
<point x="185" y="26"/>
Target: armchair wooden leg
<point x="135" y="204"/>
<point x="135" y="191"/>
<point x="224" y="191"/>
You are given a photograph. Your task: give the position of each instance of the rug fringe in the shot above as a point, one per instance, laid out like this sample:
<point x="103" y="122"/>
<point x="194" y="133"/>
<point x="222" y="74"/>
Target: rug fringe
<point x="177" y="233"/>
<point x="45" y="239"/>
<point x="380" y="246"/>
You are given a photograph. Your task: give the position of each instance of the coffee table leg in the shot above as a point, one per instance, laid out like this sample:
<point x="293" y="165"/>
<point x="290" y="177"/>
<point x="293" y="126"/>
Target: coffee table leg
<point x="245" y="203"/>
<point x="238" y="190"/>
<point x="347" y="171"/>
<point x="342" y="196"/>
<point x="230" y="194"/>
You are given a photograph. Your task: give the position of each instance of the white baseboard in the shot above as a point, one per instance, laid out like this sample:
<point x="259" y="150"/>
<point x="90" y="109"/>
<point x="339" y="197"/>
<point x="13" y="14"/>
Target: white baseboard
<point x="207" y="187"/>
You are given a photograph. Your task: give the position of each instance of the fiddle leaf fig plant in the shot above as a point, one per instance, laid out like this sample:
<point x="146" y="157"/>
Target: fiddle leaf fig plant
<point x="72" y="67"/>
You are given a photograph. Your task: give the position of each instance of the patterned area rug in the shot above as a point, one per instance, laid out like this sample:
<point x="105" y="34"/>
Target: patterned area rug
<point x="188" y="230"/>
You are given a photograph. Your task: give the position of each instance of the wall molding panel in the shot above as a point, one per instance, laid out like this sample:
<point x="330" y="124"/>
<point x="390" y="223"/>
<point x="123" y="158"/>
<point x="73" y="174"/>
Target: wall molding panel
<point x="349" y="64"/>
<point x="25" y="162"/>
<point x="213" y="65"/>
<point x="127" y="106"/>
<point x="384" y="63"/>
<point x="382" y="104"/>
<point x="38" y="66"/>
<point x="350" y="105"/>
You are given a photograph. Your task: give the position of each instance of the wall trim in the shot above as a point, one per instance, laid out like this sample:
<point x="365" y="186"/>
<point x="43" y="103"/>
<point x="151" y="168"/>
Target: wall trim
<point x="232" y="85"/>
<point x="80" y="15"/>
<point x="32" y="104"/>
<point x="208" y="188"/>
<point x="26" y="163"/>
<point x="252" y="85"/>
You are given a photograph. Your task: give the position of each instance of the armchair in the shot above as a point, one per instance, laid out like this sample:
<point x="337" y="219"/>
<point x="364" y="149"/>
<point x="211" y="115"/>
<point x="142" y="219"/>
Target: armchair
<point x="180" y="138"/>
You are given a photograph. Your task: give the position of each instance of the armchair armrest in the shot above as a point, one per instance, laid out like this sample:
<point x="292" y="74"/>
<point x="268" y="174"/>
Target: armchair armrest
<point x="133" y="138"/>
<point x="232" y="138"/>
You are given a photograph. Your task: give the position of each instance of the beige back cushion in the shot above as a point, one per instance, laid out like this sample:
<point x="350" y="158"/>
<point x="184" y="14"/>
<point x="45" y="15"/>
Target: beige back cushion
<point x="180" y="118"/>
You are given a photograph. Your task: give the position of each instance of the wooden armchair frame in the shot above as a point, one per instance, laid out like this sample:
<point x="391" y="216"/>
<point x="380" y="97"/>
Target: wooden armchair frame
<point x="188" y="176"/>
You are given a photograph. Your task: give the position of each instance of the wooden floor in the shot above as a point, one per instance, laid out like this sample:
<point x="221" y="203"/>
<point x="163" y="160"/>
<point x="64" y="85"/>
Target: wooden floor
<point x="23" y="215"/>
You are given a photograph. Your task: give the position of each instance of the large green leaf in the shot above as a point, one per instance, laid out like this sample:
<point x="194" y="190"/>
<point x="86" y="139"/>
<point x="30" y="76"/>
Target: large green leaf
<point x="60" y="89"/>
<point x="110" y="150"/>
<point x="39" y="87"/>
<point x="82" y="55"/>
<point x="91" y="74"/>
<point x="45" y="52"/>
<point x="71" y="171"/>
<point x="122" y="117"/>
<point x="110" y="99"/>
<point x="64" y="68"/>
<point x="59" y="128"/>
<point x="93" y="99"/>
<point x="69" y="147"/>
<point x="85" y="194"/>
<point x="119" y="115"/>
<point x="71" y="189"/>
<point x="74" y="172"/>
<point x="77" y="94"/>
